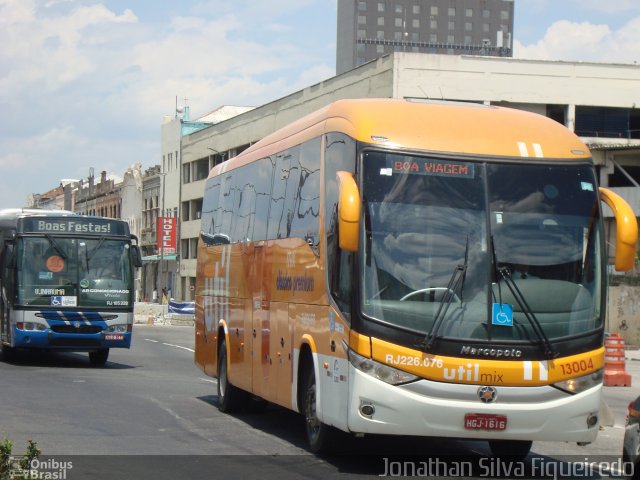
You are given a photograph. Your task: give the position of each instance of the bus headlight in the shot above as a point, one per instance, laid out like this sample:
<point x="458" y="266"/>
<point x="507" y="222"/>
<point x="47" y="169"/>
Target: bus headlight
<point x="380" y="371"/>
<point x="580" y="384"/>
<point x="117" y="328"/>
<point x="31" y="326"/>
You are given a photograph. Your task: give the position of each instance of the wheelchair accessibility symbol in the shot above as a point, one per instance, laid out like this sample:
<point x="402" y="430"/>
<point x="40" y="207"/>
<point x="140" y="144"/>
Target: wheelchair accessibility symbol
<point x="56" y="301"/>
<point x="502" y="314"/>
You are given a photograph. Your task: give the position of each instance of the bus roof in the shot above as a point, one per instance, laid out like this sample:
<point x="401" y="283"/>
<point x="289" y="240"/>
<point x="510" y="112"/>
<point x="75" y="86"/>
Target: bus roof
<point x="433" y="126"/>
<point x="9" y="216"/>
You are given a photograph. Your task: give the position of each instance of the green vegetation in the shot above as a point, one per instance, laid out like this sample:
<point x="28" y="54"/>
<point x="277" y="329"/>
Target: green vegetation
<point x="15" y="467"/>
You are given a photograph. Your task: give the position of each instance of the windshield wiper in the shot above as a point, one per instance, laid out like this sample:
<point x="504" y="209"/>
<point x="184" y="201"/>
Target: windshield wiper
<point x="547" y="348"/>
<point x="55" y="246"/>
<point x="456" y="281"/>
<point x="89" y="256"/>
<point x="505" y="273"/>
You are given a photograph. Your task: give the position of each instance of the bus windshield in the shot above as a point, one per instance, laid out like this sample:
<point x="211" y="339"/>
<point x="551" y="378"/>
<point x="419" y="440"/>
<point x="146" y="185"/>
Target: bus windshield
<point x="521" y="241"/>
<point x="72" y="272"/>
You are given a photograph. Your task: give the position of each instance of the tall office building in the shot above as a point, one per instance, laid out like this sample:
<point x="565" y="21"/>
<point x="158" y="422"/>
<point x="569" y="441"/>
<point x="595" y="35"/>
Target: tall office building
<point x="368" y="29"/>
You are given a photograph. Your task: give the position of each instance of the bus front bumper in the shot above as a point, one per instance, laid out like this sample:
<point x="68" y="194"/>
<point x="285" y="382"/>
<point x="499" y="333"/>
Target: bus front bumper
<point x="46" y="339"/>
<point x="427" y="408"/>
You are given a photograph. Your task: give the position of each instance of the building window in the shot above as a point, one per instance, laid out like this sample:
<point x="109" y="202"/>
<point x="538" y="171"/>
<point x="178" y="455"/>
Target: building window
<point x="467" y="39"/>
<point x="416" y="9"/>
<point x="504" y="15"/>
<point x="468" y="12"/>
<point x="186" y="173"/>
<point x="381" y="21"/>
<point x="380" y="7"/>
<point x="485" y="27"/>
<point x="415" y="37"/>
<point x="415" y="23"/>
<point x="398" y="22"/>
<point x="486" y="13"/>
<point x="451" y="39"/>
<point x="362" y="20"/>
<point x="380" y="34"/>
<point x="434" y="24"/>
<point x="379" y="48"/>
<point x="468" y="26"/>
<point x="452" y="11"/>
<point x="398" y="8"/>
<point x="452" y="25"/>
<point x="360" y="47"/>
<point x="362" y="33"/>
<point x="433" y="38"/>
<point x="362" y="6"/>
<point x="434" y="10"/>
<point x="185" y="211"/>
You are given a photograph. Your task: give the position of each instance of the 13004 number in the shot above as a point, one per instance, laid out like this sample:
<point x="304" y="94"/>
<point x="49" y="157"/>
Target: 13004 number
<point x="576" y="367"/>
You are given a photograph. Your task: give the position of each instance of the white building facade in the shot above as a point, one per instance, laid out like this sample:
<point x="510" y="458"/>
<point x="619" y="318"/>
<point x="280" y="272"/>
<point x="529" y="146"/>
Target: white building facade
<point x="597" y="101"/>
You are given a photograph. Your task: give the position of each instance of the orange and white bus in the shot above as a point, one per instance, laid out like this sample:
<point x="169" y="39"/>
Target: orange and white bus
<point x="411" y="268"/>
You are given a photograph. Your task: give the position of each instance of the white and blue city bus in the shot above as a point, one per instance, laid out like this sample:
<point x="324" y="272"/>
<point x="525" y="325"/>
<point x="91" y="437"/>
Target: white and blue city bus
<point x="66" y="282"/>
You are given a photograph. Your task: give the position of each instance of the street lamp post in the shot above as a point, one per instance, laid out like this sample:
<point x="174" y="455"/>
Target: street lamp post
<point x="161" y="270"/>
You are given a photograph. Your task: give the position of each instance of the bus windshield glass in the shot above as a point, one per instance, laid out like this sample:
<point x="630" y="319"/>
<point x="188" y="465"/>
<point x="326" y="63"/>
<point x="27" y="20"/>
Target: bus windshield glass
<point x="73" y="272"/>
<point x="519" y="241"/>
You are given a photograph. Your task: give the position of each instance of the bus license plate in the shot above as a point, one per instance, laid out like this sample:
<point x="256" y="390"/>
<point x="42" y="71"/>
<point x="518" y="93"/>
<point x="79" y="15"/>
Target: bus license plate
<point x="485" y="421"/>
<point x="113" y="336"/>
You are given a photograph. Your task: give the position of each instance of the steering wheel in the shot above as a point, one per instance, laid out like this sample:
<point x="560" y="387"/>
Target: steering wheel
<point x="431" y="289"/>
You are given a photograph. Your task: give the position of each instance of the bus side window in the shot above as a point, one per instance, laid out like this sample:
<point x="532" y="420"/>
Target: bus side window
<point x="307" y="200"/>
<point x="227" y="202"/>
<point x="210" y="208"/>
<point x="245" y="202"/>
<point x="278" y="214"/>
<point x="263" y="181"/>
<point x="339" y="155"/>
<point x="8" y="265"/>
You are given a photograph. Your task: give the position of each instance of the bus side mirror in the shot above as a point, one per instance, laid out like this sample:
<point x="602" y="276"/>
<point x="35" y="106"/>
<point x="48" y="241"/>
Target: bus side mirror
<point x="626" y="229"/>
<point x="137" y="256"/>
<point x="348" y="212"/>
<point x="10" y="258"/>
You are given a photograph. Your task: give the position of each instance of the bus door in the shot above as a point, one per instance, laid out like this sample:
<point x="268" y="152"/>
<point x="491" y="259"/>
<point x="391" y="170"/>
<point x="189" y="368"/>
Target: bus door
<point x="7" y="273"/>
<point x="260" y="326"/>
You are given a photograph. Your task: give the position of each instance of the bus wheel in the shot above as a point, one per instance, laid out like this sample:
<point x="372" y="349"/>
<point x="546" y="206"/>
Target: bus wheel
<point x="319" y="435"/>
<point x="8" y="353"/>
<point x="230" y="398"/>
<point x="99" y="357"/>
<point x="510" y="448"/>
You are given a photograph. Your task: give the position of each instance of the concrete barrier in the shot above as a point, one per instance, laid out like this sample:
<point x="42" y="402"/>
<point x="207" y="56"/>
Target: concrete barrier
<point x="158" y="314"/>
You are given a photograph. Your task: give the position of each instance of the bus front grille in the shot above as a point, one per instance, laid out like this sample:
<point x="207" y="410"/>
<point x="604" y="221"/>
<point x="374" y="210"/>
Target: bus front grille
<point x="64" y="328"/>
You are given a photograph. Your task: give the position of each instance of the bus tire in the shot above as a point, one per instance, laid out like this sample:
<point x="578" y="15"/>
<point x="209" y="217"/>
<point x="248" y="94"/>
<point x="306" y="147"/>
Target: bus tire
<point x="99" y="357"/>
<point x="230" y="398"/>
<point x="8" y="353"/>
<point x="319" y="435"/>
<point x="516" y="449"/>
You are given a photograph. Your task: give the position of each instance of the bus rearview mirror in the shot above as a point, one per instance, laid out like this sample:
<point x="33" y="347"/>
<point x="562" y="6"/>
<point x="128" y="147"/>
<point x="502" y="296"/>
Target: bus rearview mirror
<point x="137" y="256"/>
<point x="626" y="229"/>
<point x="348" y="212"/>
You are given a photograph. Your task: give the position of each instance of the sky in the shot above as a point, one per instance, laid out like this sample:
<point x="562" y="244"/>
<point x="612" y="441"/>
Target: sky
<point x="86" y="83"/>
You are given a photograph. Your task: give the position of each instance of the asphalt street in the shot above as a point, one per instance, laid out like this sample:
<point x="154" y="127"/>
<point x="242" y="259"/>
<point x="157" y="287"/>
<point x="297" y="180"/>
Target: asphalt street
<point x="151" y="413"/>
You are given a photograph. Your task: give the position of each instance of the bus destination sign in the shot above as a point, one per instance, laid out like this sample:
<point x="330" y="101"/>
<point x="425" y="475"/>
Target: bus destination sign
<point x="428" y="166"/>
<point x="73" y="225"/>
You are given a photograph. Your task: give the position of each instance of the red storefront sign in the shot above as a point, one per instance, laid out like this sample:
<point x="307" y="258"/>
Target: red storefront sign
<point x="166" y="233"/>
